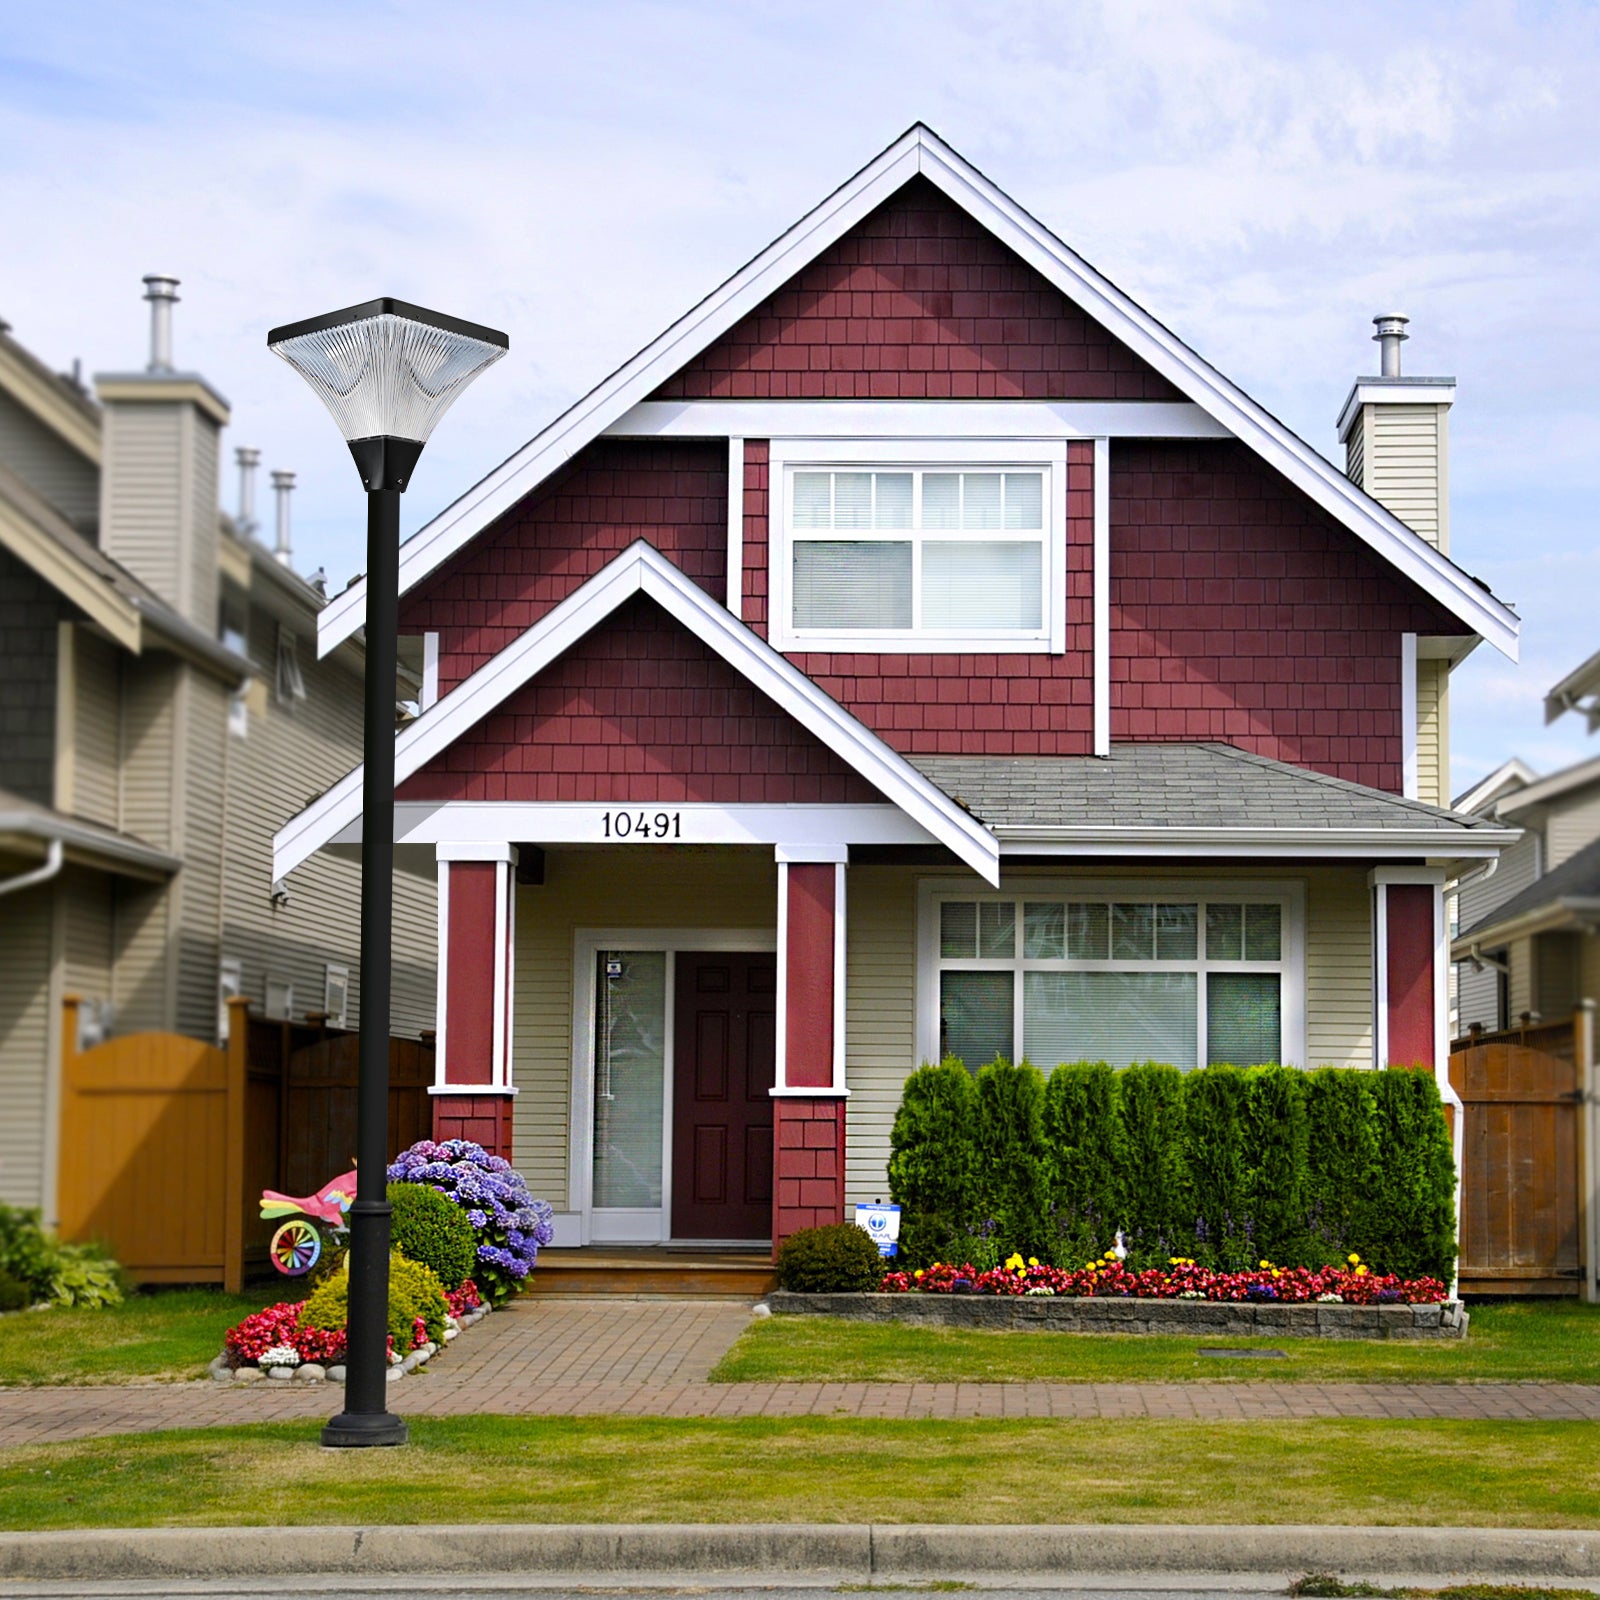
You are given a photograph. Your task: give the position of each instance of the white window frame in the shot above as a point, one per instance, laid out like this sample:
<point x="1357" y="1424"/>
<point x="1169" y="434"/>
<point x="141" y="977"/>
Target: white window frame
<point x="1288" y="893"/>
<point x="335" y="974"/>
<point x="289" y="682"/>
<point x="273" y="981"/>
<point x="230" y="984"/>
<point x="787" y="456"/>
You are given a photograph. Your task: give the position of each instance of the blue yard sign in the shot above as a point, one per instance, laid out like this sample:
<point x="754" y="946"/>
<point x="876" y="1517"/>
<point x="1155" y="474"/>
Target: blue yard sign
<point x="882" y="1224"/>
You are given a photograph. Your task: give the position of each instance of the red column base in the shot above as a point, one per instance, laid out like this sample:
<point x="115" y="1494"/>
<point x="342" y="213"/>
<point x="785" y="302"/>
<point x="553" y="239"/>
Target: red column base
<point x="808" y="1161"/>
<point x="483" y="1118"/>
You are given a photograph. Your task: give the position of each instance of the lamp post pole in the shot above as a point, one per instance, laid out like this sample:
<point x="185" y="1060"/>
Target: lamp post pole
<point x="387" y="371"/>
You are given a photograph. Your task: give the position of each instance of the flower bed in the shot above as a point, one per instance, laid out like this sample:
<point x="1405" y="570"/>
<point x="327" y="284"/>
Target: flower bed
<point x="272" y="1344"/>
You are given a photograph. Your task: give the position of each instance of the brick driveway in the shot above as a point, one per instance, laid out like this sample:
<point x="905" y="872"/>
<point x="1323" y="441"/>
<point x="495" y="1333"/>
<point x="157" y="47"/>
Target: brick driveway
<point x="652" y="1358"/>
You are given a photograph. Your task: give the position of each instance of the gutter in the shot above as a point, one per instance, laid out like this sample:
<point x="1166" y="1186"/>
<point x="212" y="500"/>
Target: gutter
<point x="88" y="843"/>
<point x="193" y="643"/>
<point x="26" y="880"/>
<point x="1467" y="844"/>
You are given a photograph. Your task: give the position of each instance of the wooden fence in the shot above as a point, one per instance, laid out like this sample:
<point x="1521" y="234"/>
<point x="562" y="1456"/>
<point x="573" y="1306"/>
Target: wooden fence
<point x="167" y="1142"/>
<point x="1528" y="1216"/>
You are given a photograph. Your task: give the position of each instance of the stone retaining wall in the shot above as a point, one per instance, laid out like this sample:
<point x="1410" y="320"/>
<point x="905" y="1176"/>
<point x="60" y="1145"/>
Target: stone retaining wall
<point x="1210" y="1319"/>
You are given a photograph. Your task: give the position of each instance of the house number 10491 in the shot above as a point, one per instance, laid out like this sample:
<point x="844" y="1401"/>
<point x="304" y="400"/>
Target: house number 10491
<point x="642" y="824"/>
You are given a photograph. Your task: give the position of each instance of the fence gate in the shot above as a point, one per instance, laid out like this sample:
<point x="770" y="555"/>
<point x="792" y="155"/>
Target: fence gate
<point x="1527" y="1159"/>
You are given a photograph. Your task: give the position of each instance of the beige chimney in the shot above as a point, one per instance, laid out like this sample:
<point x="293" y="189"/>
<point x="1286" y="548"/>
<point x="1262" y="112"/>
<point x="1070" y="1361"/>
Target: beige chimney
<point x="159" y="466"/>
<point x="1396" y="435"/>
<point x="1395" y="432"/>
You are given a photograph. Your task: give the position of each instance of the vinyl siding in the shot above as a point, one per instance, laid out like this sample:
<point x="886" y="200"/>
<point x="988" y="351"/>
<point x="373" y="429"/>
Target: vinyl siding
<point x="88" y="945"/>
<point x="48" y="465"/>
<point x="200" y="529"/>
<point x="1433" y="732"/>
<point x="1574" y="821"/>
<point x="202" y="716"/>
<point x="26" y="943"/>
<point x="619" y="888"/>
<point x="29" y="611"/>
<point x="142" y="498"/>
<point x="96" y="729"/>
<point x="1406" y="466"/>
<point x="1338" y="968"/>
<point x="287" y="754"/>
<point x="1355" y="448"/>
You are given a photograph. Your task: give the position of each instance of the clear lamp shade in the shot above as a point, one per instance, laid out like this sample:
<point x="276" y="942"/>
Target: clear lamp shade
<point x="387" y="369"/>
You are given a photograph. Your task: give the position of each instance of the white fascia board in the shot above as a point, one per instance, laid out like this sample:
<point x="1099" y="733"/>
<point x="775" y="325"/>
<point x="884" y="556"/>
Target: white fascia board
<point x="524" y="471"/>
<point x="1388" y="392"/>
<point x="921" y="151"/>
<point x="917" y="419"/>
<point x="642" y="570"/>
<point x="1469" y="844"/>
<point x="1508" y="776"/>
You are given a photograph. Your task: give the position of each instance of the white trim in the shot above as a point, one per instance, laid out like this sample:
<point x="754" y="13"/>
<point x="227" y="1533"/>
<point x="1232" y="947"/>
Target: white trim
<point x="735" y="597"/>
<point x="587" y="943"/>
<point x="780" y="1070"/>
<point x="1462" y="845"/>
<point x="920" y="150"/>
<point x="823" y="853"/>
<point x="1382" y="392"/>
<point x="430" y="670"/>
<point x="442" y="980"/>
<point x="506" y="1073"/>
<point x="1512" y="776"/>
<point x="840" y="927"/>
<point x="1290" y="892"/>
<point x="470" y="1090"/>
<point x="917" y="419"/>
<point x="475" y="850"/>
<point x="1411" y="782"/>
<point x="1101" y="581"/>
<point x="1434" y="875"/>
<point x="788" y="455"/>
<point x="497" y="1046"/>
<point x="801" y="825"/>
<point x="1380" y="979"/>
<point x="642" y="570"/>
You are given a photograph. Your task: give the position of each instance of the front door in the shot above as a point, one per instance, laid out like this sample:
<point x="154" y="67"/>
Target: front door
<point x="724" y="1038"/>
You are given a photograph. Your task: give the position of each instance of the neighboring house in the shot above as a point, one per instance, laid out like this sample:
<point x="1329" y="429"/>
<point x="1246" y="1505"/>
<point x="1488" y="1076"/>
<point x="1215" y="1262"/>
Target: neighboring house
<point x="1528" y="939"/>
<point x="916" y="650"/>
<point x="162" y="710"/>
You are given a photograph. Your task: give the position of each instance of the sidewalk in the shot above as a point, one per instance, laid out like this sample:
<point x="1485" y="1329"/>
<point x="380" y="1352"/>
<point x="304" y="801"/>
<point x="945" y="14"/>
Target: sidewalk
<point x="652" y="1359"/>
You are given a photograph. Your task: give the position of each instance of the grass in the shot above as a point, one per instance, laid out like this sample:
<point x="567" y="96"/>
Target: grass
<point x="162" y="1333"/>
<point x="813" y="1469"/>
<point x="1325" y="1586"/>
<point x="1515" y="1342"/>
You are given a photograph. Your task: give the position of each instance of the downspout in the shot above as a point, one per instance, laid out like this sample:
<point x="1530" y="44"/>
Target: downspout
<point x="26" y="880"/>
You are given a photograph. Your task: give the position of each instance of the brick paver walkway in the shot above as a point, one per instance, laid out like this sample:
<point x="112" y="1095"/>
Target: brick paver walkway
<point x="652" y="1358"/>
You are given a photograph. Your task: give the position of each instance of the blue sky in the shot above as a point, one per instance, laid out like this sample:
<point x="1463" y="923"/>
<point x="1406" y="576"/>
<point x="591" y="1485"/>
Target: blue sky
<point x="1263" y="177"/>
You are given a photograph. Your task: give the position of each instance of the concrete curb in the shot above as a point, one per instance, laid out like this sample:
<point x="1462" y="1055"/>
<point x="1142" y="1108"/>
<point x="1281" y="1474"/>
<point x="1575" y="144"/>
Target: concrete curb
<point x="853" y="1552"/>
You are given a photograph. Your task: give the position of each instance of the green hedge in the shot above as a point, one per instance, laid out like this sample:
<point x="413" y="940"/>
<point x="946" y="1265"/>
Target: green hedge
<point x="1227" y="1165"/>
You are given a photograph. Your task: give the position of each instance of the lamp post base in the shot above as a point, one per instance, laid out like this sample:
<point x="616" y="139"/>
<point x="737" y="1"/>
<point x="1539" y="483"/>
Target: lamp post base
<point x="361" y="1430"/>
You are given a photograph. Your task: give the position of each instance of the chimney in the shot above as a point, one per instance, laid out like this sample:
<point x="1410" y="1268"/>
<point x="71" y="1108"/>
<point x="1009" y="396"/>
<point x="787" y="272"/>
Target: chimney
<point x="1395" y="432"/>
<point x="248" y="461"/>
<point x="159" y="466"/>
<point x="162" y="293"/>
<point x="283" y="487"/>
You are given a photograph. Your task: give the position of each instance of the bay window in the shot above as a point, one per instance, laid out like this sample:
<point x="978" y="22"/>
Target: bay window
<point x="1119" y="976"/>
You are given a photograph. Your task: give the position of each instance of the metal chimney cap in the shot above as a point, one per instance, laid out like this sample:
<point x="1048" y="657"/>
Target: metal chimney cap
<point x="1391" y="328"/>
<point x="246" y="455"/>
<point x="160" y="286"/>
<point x="282" y="479"/>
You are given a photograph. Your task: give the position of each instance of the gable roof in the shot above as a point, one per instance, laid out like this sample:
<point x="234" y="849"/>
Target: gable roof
<point x="920" y="150"/>
<point x="641" y="569"/>
<point x="1570" y="894"/>
<point x="1578" y="691"/>
<point x="1505" y="780"/>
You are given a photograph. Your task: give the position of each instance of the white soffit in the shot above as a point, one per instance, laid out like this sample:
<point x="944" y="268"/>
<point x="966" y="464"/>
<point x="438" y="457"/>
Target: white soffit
<point x="641" y="569"/>
<point x="920" y="150"/>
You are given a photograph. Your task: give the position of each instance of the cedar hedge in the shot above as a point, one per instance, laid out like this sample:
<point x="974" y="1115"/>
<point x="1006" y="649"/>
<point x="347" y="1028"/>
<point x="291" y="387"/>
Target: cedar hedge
<point x="1224" y="1165"/>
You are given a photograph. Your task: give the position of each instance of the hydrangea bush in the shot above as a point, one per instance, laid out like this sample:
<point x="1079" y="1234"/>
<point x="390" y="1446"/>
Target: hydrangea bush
<point x="509" y="1223"/>
<point x="1182" y="1279"/>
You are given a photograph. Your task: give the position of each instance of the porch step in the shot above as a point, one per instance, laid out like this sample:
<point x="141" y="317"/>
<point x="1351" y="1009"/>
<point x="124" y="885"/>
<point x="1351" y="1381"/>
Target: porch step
<point x="653" y="1273"/>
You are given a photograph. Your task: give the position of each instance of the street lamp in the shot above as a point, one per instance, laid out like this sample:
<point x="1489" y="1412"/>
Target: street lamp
<point x="387" y="371"/>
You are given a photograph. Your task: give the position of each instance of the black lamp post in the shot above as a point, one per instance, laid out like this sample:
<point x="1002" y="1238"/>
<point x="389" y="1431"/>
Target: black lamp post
<point x="387" y="371"/>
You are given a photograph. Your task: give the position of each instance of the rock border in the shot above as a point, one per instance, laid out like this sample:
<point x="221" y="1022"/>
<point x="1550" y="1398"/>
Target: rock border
<point x="1222" y="1319"/>
<point x="310" y="1372"/>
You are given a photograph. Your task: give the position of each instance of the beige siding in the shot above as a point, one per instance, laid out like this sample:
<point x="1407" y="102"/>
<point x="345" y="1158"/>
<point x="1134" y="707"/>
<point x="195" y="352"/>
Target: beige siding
<point x="287" y="754"/>
<point x="620" y="889"/>
<point x="200" y="530"/>
<point x="1574" y="821"/>
<point x="1338" y="968"/>
<point x="1433" y="732"/>
<point x="51" y="467"/>
<point x="1519" y="985"/>
<point x="26" y="945"/>
<point x="1355" y="448"/>
<point x="202" y="716"/>
<point x="1406" y="466"/>
<point x="96" y="730"/>
<point x="89" y="925"/>
<point x="141" y="498"/>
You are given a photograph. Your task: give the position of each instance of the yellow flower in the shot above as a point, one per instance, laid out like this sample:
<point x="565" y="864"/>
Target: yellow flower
<point x="1352" y="1258"/>
<point x="917" y="1273"/>
<point x="1265" y="1264"/>
<point x="1033" y="1261"/>
<point x="1361" y="1272"/>
<point x="1014" y="1262"/>
<point x="1277" y="1272"/>
<point x="1174" y="1261"/>
<point x="1089" y="1266"/>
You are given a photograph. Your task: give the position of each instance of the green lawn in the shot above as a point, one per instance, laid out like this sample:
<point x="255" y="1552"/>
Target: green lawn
<point x="616" y="1469"/>
<point x="1530" y="1340"/>
<point x="163" y="1333"/>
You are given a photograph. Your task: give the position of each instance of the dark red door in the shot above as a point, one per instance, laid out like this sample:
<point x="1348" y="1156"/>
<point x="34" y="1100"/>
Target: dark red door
<point x="724" y="1032"/>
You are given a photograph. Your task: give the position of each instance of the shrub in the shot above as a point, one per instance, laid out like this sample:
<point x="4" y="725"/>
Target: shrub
<point x="1340" y="1162"/>
<point x="427" y="1227"/>
<point x="14" y="1293"/>
<point x="1009" y="1140"/>
<point x="933" y="1162"/>
<point x="66" y="1274"/>
<point x="1215" y="1141"/>
<point x="1276" y="1135"/>
<point x="837" y="1259"/>
<point x="1157" y="1216"/>
<point x="508" y="1222"/>
<point x="1080" y="1135"/>
<point x="414" y="1292"/>
<point x="1411" y="1224"/>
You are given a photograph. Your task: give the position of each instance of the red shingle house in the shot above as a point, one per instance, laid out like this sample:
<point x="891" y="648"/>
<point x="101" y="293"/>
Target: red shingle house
<point x="917" y="649"/>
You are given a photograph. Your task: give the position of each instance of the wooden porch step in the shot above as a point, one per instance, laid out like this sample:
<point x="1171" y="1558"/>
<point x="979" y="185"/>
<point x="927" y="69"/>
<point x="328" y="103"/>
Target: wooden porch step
<point x="654" y="1273"/>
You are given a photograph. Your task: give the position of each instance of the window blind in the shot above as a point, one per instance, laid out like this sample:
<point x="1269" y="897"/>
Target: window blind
<point x="1119" y="1017"/>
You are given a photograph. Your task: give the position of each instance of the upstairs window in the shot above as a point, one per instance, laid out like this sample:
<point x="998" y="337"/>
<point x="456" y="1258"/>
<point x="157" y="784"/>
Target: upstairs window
<point x="958" y="557"/>
<point x="289" y="684"/>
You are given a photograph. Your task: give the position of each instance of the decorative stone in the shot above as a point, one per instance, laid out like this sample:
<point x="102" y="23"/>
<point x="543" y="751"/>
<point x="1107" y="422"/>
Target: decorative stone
<point x="395" y="1374"/>
<point x="249" y="1375"/>
<point x="310" y="1372"/>
<point x="222" y="1375"/>
<point x="336" y="1374"/>
<point x="451" y="1333"/>
<point x="220" y="1363"/>
<point x="280" y="1374"/>
<point x="761" y="1309"/>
